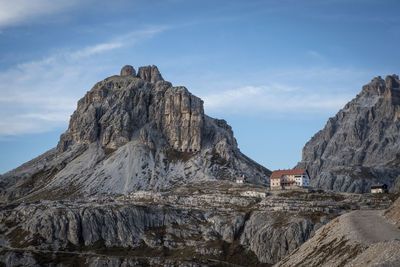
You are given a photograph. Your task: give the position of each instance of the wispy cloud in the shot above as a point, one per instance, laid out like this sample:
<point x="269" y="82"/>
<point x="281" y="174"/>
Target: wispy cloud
<point x="96" y="49"/>
<point x="38" y="96"/>
<point x="304" y="91"/>
<point x="314" y="54"/>
<point x="120" y="41"/>
<point x="23" y="11"/>
<point x="274" y="98"/>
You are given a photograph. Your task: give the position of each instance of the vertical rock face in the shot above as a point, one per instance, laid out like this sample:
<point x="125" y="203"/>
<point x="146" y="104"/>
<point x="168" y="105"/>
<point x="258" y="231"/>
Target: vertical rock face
<point x="118" y="107"/>
<point x="150" y="74"/>
<point x="136" y="132"/>
<point x="183" y="120"/>
<point x="360" y="146"/>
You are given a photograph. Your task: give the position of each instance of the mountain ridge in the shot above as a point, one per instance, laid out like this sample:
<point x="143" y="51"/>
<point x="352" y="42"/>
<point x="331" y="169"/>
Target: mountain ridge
<point x="359" y="146"/>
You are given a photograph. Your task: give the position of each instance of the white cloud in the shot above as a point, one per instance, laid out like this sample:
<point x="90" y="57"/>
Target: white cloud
<point x="13" y="12"/>
<point x="96" y="49"/>
<point x="38" y="96"/>
<point x="274" y="98"/>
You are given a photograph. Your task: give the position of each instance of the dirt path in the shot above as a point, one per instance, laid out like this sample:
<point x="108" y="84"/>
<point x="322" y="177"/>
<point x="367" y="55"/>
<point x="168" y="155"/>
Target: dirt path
<point x="370" y="226"/>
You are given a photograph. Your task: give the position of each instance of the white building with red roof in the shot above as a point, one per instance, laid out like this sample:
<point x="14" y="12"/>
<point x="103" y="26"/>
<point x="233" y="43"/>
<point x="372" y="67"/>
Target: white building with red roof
<point x="282" y="179"/>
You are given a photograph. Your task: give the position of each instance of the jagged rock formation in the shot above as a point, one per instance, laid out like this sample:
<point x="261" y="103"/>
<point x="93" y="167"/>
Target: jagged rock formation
<point x="360" y="146"/>
<point x="193" y="223"/>
<point x="134" y="132"/>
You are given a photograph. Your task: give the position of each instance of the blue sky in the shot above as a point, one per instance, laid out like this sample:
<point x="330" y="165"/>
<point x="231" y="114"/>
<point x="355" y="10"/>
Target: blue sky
<point x="275" y="70"/>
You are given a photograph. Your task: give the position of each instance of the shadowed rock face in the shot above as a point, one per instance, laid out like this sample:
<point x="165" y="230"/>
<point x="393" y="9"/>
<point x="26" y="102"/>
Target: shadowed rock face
<point x="150" y="74"/>
<point x="135" y="132"/>
<point x="360" y="145"/>
<point x="121" y="107"/>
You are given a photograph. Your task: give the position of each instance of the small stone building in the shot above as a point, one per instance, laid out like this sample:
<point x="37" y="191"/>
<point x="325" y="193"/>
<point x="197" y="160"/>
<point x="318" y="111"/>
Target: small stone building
<point x="379" y="188"/>
<point x="288" y="179"/>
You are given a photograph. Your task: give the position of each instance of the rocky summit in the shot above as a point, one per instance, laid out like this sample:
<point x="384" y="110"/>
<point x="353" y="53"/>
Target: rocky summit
<point x="360" y="146"/>
<point x="134" y="132"/>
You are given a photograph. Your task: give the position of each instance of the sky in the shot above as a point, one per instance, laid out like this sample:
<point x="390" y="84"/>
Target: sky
<point x="274" y="70"/>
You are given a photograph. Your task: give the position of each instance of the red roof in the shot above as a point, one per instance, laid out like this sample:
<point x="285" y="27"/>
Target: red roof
<point x="279" y="173"/>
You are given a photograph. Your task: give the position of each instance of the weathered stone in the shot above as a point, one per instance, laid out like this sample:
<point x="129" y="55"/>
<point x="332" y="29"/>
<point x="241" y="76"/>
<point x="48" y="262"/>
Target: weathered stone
<point x="133" y="133"/>
<point x="128" y="70"/>
<point x="203" y="218"/>
<point x="357" y="238"/>
<point x="392" y="81"/>
<point x="360" y="145"/>
<point x="150" y="74"/>
<point x="116" y="108"/>
<point x="396" y="186"/>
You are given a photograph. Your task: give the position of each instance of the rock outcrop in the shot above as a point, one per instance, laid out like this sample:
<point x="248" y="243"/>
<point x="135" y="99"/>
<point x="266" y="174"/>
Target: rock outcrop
<point x="120" y="107"/>
<point x="128" y="70"/>
<point x="134" y="132"/>
<point x="393" y="213"/>
<point x="360" y="146"/>
<point x="358" y="238"/>
<point x="150" y="74"/>
<point x="193" y="223"/>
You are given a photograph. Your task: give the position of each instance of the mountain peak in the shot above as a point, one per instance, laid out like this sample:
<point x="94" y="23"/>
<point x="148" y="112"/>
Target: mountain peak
<point x="359" y="147"/>
<point x="392" y="81"/>
<point x="128" y="70"/>
<point x="137" y="132"/>
<point x="150" y="74"/>
<point x="115" y="109"/>
<point x="380" y="87"/>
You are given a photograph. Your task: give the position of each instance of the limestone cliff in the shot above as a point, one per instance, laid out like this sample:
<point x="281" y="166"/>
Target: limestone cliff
<point x="134" y="132"/>
<point x="198" y="224"/>
<point x="360" y="145"/>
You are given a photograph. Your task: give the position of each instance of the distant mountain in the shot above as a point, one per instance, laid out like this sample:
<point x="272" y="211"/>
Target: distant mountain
<point x="134" y="132"/>
<point x="360" y="146"/>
